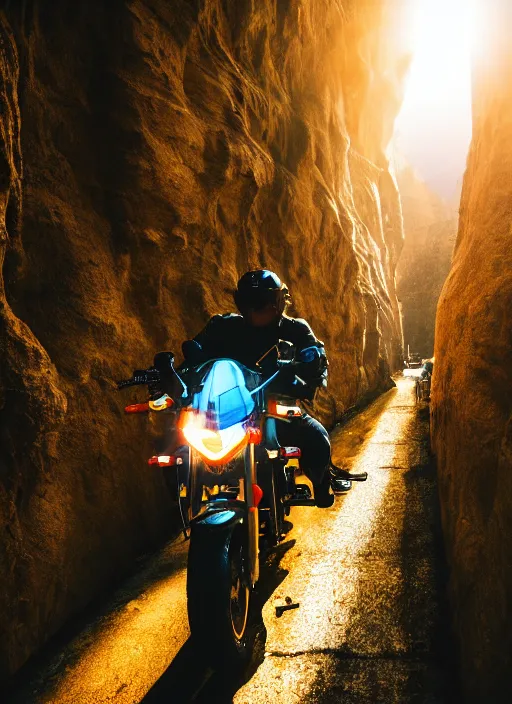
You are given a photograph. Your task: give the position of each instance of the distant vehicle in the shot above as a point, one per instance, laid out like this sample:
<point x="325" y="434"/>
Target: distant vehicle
<point x="424" y="381"/>
<point x="414" y="361"/>
<point x="423" y="388"/>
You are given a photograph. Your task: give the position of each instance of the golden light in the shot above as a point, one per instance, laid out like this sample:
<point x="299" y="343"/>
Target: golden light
<point x="433" y="129"/>
<point x="215" y="446"/>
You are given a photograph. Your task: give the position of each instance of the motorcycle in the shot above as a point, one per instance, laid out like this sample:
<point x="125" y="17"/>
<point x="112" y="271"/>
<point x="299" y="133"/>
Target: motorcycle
<point x="422" y="389"/>
<point x="235" y="486"/>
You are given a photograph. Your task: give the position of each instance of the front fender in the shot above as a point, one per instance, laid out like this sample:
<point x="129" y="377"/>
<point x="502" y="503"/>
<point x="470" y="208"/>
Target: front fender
<point x="213" y="530"/>
<point x="216" y="522"/>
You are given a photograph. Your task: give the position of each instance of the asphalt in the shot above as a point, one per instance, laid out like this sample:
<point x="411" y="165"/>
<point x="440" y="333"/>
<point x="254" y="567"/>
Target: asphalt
<point x="369" y="575"/>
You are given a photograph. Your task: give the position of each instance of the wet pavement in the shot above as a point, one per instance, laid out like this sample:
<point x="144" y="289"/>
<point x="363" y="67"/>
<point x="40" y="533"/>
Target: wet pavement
<point x="368" y="575"/>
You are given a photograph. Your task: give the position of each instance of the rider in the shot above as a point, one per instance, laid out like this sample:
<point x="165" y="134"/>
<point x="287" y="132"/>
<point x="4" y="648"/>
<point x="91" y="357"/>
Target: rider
<point x="427" y="368"/>
<point x="261" y="299"/>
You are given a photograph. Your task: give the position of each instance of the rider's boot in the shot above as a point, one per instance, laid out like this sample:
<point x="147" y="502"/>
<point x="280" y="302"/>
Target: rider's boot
<point x="324" y="498"/>
<point x="340" y="486"/>
<point x="341" y="479"/>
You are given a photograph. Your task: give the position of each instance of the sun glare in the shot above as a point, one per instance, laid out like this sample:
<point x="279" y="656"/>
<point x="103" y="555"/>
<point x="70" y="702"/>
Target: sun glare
<point x="433" y="129"/>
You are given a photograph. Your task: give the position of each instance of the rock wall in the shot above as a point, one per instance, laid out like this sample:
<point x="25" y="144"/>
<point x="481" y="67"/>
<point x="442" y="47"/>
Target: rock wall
<point x="152" y="151"/>
<point x="472" y="390"/>
<point x="430" y="226"/>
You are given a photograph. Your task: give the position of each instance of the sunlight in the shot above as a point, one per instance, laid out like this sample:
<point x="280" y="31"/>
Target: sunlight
<point x="433" y="129"/>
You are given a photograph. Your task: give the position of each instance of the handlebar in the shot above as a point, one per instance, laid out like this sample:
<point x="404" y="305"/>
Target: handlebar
<point x="141" y="377"/>
<point x="126" y="382"/>
<point x="152" y="377"/>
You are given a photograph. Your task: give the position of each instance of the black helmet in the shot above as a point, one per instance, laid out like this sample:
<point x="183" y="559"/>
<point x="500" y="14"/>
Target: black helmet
<point x="258" y="288"/>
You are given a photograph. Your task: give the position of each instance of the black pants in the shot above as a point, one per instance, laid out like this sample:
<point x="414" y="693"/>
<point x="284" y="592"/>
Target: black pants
<point x="312" y="438"/>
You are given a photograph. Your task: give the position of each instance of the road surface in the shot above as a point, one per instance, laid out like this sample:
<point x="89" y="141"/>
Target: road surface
<point x="368" y="575"/>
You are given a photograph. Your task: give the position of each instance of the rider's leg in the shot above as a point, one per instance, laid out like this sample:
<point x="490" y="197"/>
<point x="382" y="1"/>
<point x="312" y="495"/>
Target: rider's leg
<point x="313" y="439"/>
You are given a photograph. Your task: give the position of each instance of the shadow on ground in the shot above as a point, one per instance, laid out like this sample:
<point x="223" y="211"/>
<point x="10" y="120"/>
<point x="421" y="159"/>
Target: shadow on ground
<point x="189" y="678"/>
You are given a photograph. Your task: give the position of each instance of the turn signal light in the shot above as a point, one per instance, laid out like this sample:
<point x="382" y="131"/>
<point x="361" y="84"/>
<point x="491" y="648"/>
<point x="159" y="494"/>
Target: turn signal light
<point x="289" y="452"/>
<point x="165" y="460"/>
<point x="254" y="435"/>
<point x="137" y="408"/>
<point x="279" y="410"/>
<point x="160" y="404"/>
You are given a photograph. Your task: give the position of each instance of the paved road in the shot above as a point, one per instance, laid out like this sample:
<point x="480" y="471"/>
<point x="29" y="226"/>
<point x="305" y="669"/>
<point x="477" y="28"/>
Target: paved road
<point x="368" y="575"/>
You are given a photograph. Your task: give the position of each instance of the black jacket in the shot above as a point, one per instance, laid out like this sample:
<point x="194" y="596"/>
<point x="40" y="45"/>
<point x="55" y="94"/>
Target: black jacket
<point x="231" y="336"/>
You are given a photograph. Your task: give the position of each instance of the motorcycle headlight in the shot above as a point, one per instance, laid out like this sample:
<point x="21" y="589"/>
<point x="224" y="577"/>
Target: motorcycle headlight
<point x="215" y="446"/>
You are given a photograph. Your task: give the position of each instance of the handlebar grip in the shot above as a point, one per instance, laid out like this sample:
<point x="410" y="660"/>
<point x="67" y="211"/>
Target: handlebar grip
<point x="126" y="382"/>
<point x="141" y="377"/>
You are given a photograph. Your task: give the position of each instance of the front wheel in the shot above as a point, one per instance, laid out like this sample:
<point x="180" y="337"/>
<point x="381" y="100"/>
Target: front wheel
<point x="219" y="594"/>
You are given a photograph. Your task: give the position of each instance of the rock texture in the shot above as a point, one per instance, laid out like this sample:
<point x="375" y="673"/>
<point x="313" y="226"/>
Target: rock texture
<point x="430" y="227"/>
<point x="151" y="152"/>
<point x="472" y="391"/>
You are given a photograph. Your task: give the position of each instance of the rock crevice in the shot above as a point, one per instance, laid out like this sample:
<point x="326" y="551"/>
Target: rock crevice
<point x="472" y="390"/>
<point x="166" y="148"/>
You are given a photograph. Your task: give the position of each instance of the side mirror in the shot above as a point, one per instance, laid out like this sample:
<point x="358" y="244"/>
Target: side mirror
<point x="164" y="364"/>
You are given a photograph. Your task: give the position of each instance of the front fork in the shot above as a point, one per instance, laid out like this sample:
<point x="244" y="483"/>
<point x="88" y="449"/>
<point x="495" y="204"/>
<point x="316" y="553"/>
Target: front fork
<point x="253" y="521"/>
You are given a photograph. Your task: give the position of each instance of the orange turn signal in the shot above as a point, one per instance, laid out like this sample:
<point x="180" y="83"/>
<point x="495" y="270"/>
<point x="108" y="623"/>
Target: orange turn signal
<point x="161" y="404"/>
<point x="254" y="435"/>
<point x="280" y="410"/>
<point x="137" y="408"/>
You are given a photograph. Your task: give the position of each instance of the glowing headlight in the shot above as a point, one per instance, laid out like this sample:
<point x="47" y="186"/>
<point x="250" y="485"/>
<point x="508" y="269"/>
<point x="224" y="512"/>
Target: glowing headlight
<point x="216" y="446"/>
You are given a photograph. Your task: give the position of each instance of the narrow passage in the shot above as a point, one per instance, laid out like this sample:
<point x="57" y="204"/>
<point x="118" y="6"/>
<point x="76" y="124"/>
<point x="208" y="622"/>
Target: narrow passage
<point x="368" y="575"/>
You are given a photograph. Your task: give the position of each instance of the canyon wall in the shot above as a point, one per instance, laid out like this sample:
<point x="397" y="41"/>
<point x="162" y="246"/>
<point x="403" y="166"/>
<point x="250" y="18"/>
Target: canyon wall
<point x="472" y="385"/>
<point x="430" y="227"/>
<point x="152" y="151"/>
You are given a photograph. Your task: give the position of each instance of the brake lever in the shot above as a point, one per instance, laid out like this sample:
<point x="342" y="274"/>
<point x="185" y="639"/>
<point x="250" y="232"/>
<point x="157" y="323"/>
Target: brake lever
<point x="178" y="377"/>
